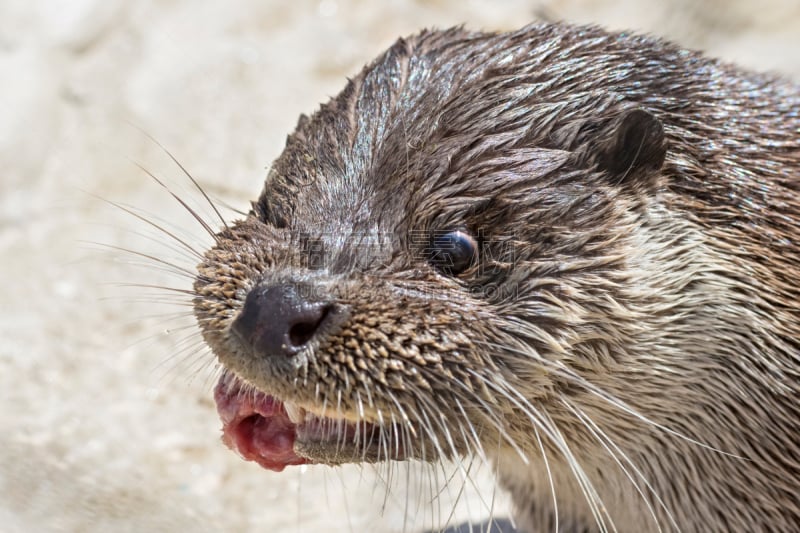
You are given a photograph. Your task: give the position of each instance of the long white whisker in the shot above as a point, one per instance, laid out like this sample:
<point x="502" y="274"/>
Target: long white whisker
<point x="546" y="424"/>
<point x="569" y="374"/>
<point x="596" y="505"/>
<point x="549" y="476"/>
<point x="187" y="174"/>
<point x="603" y="436"/>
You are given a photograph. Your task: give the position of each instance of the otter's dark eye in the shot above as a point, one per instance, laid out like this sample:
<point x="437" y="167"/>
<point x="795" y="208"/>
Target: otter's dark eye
<point x="452" y="252"/>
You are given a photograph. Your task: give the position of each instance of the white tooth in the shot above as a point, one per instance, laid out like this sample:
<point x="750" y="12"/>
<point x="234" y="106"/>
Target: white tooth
<point x="296" y="413"/>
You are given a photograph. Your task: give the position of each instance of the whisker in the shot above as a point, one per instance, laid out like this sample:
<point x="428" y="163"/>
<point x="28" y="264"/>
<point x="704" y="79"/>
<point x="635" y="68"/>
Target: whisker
<point x="185" y="205"/>
<point x="546" y="424"/>
<point x="157" y="238"/>
<point x="626" y="408"/>
<point x="549" y="477"/>
<point x="601" y="436"/>
<point x="596" y="505"/>
<point x="149" y="222"/>
<point x="173" y="291"/>
<point x="489" y="411"/>
<point x="187" y="174"/>
<point x="153" y="298"/>
<point x="569" y="374"/>
<point x="170" y="267"/>
<point x="231" y="208"/>
<point x="189" y="350"/>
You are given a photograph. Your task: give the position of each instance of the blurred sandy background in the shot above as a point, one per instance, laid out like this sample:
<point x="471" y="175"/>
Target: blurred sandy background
<point x="106" y="417"/>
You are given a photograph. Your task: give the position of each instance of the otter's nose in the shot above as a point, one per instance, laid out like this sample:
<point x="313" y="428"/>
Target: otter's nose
<point x="278" y="320"/>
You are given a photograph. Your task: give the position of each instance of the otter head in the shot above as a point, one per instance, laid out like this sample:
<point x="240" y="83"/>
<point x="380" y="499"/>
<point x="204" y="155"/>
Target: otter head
<point x="439" y="253"/>
<point x="568" y="251"/>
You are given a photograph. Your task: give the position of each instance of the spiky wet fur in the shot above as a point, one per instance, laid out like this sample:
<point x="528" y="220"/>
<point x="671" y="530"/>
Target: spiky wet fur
<point x="626" y="351"/>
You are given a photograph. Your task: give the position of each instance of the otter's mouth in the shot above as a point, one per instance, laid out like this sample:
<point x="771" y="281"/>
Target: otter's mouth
<point x="276" y="433"/>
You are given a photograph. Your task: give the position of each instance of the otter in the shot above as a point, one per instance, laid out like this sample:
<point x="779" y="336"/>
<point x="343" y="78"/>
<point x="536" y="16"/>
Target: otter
<point x="571" y="252"/>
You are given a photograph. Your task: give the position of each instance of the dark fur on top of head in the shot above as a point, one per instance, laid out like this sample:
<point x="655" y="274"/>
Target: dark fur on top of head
<point x="626" y="347"/>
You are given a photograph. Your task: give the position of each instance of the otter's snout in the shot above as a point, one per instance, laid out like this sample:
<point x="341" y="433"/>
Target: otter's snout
<point x="279" y="320"/>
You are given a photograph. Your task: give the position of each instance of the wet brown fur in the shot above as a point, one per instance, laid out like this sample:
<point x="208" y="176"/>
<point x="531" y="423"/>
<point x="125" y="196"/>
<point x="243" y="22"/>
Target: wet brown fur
<point x="633" y="319"/>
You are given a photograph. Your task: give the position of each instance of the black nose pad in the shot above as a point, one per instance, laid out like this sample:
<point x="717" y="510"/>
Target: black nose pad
<point x="277" y="320"/>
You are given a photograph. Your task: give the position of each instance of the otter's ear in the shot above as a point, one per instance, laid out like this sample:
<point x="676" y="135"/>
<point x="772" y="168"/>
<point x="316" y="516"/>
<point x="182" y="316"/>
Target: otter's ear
<point x="632" y="146"/>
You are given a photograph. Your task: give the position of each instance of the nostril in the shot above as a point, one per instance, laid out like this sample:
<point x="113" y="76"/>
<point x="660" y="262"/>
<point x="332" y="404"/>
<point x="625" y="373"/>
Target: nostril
<point x="300" y="333"/>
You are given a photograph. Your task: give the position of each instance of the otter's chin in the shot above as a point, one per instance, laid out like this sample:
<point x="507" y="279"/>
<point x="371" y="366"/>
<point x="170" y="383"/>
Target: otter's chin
<point x="276" y="433"/>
